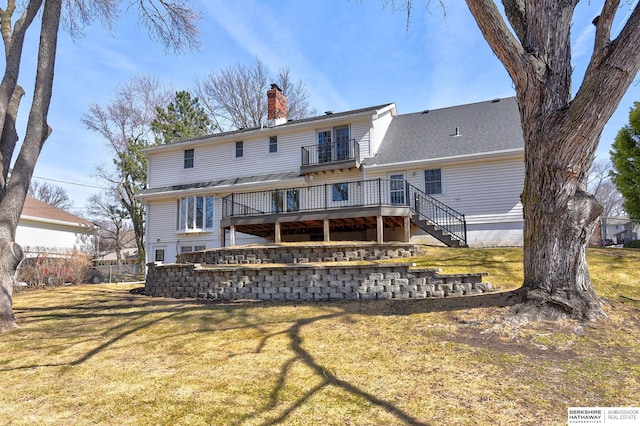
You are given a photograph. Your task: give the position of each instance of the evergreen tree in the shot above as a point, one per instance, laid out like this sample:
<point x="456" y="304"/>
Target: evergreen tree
<point x="625" y="158"/>
<point x="183" y="118"/>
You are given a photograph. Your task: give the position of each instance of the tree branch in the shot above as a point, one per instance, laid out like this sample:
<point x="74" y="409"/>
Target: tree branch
<point x="603" y="25"/>
<point x="611" y="70"/>
<point x="514" y="9"/>
<point x="37" y="128"/>
<point x="500" y="39"/>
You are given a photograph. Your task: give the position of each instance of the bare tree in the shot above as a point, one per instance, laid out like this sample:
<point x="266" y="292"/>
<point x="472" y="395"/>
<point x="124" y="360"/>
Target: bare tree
<point x="235" y="96"/>
<point x="601" y="186"/>
<point x="53" y="195"/>
<point x="561" y="134"/>
<point x="170" y="22"/>
<point x="125" y="124"/>
<point x="107" y="211"/>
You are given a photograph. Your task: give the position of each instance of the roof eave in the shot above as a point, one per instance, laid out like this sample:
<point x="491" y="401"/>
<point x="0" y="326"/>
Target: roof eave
<point x="372" y="112"/>
<point x="454" y="158"/>
<point x="58" y="222"/>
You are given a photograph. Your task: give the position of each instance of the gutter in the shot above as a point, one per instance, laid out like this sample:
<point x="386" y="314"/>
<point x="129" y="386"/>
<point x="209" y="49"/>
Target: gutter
<point x="57" y="222"/>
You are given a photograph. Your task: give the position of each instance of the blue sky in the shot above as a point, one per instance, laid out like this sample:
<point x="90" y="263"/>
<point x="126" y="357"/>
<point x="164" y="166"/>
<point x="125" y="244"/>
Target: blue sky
<point x="350" y="54"/>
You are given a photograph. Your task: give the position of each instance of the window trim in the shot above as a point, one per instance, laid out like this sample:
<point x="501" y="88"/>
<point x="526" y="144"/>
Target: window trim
<point x="272" y="146"/>
<point x="239" y="149"/>
<point x="332" y="148"/>
<point x="194" y="213"/>
<point x="433" y="182"/>
<point x="324" y="142"/>
<point x="340" y="189"/>
<point x="189" y="159"/>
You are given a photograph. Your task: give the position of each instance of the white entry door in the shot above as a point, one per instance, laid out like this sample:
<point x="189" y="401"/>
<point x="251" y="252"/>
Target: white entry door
<point x="397" y="188"/>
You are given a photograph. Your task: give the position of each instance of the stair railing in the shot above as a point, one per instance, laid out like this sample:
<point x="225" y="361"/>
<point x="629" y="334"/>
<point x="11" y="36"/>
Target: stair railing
<point x="436" y="213"/>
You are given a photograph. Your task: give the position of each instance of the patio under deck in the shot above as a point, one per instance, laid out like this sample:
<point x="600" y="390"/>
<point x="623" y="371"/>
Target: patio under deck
<point x="319" y="223"/>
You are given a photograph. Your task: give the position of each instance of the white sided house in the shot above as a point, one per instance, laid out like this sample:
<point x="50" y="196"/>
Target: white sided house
<point x="452" y="174"/>
<point x="44" y="229"/>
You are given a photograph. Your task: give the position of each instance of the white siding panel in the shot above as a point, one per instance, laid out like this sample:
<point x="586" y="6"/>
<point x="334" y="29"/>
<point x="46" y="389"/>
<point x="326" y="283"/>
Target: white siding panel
<point x="380" y="126"/>
<point x="361" y="132"/>
<point x="161" y="231"/>
<point x="36" y="236"/>
<point x="485" y="190"/>
<point x="213" y="162"/>
<point x="219" y="162"/>
<point x="161" y="220"/>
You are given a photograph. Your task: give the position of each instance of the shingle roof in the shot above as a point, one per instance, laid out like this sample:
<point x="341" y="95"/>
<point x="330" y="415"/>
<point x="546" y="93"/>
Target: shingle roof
<point x="224" y="182"/>
<point x="38" y="209"/>
<point x="482" y="127"/>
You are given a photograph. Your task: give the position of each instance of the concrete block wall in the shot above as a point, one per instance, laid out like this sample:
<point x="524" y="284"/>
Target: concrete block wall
<point x="308" y="253"/>
<point x="308" y="282"/>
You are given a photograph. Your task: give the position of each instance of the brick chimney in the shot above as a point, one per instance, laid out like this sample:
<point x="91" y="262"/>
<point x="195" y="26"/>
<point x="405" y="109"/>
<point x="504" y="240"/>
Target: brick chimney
<point x="276" y="106"/>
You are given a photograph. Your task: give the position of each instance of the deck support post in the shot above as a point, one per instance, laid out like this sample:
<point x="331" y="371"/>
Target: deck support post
<point x="380" y="229"/>
<point x="407" y="229"/>
<point x="232" y="235"/>
<point x="326" y="229"/>
<point x="222" y="236"/>
<point x="277" y="238"/>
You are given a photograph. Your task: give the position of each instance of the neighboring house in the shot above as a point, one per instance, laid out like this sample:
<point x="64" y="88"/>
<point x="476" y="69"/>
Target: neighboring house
<point x="452" y="174"/>
<point x="108" y="262"/>
<point x="615" y="230"/>
<point x="43" y="228"/>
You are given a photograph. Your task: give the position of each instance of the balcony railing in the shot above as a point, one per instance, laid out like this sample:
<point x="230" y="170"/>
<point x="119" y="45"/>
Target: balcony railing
<point x="335" y="196"/>
<point x="326" y="153"/>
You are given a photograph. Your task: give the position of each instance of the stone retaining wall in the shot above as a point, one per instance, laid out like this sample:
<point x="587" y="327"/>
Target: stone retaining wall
<point x="307" y="282"/>
<point x="301" y="254"/>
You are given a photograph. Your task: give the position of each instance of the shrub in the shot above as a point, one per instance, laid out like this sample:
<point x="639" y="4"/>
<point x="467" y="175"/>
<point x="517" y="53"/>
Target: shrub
<point x="632" y="244"/>
<point x="47" y="269"/>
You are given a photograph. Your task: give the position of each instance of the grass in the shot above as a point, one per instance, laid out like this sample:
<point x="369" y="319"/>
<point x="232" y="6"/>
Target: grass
<point x="96" y="354"/>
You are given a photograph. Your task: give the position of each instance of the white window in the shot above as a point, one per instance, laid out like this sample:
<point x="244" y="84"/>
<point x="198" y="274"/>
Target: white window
<point x="190" y="249"/>
<point x="324" y="146"/>
<point x="340" y="192"/>
<point x="239" y="149"/>
<point x="285" y="200"/>
<point x="189" y="156"/>
<point x="273" y="144"/>
<point x="333" y="144"/>
<point x="195" y="213"/>
<point x="433" y="181"/>
<point x="397" y="188"/>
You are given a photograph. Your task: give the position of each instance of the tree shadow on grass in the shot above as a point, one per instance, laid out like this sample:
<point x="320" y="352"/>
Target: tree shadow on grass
<point x="138" y="312"/>
<point x="328" y="379"/>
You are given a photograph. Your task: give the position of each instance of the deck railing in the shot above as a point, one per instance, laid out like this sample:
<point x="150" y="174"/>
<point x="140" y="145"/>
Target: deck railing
<point x="336" y="196"/>
<point x="323" y="153"/>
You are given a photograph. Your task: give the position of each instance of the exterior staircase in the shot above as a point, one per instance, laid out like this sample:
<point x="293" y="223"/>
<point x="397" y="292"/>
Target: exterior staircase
<point x="436" y="218"/>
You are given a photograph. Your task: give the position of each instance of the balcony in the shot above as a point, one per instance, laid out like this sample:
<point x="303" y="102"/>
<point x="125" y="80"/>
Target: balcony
<point x="324" y="157"/>
<point x="345" y="206"/>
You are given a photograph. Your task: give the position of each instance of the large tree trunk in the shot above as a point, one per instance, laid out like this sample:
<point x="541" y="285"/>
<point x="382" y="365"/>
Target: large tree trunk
<point x="559" y="218"/>
<point x="10" y="257"/>
<point x="15" y="190"/>
<point x="561" y="133"/>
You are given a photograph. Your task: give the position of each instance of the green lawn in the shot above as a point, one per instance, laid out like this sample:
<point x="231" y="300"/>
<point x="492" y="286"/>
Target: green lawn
<point x="96" y="354"/>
